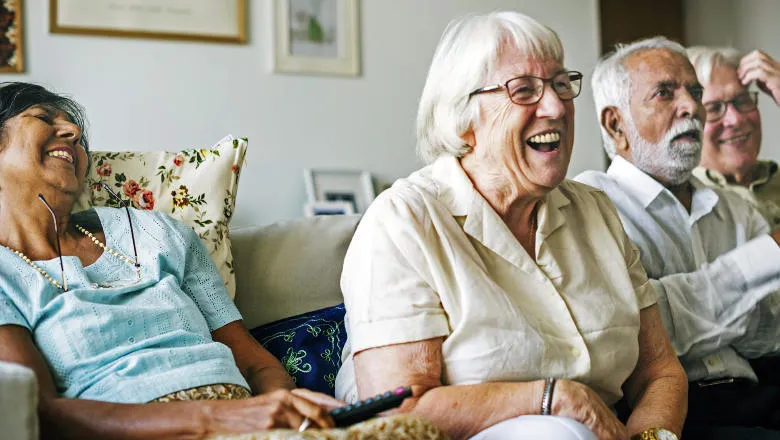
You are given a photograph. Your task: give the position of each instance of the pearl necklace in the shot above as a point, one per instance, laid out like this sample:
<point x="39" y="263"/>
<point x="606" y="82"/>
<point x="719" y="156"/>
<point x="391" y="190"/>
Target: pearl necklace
<point x="94" y="240"/>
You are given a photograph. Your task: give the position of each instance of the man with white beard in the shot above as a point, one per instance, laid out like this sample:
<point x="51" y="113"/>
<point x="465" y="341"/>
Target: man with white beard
<point x="709" y="254"/>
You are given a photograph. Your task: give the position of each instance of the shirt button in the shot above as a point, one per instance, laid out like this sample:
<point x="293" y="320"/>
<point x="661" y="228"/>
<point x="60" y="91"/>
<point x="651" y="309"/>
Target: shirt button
<point x="575" y="351"/>
<point x="129" y="322"/>
<point x="131" y="339"/>
<point x="712" y="362"/>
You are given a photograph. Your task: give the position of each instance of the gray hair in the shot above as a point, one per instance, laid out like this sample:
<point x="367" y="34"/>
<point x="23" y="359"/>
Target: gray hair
<point x="469" y="50"/>
<point x="611" y="81"/>
<point x="704" y="59"/>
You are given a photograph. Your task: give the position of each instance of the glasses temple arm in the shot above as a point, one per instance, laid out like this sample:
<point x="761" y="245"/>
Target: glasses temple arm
<point x="57" y="235"/>
<point x="127" y="211"/>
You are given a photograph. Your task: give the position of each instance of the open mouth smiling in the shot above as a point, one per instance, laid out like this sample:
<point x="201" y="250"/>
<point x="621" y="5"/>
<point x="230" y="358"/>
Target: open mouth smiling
<point x="545" y="142"/>
<point x="62" y="154"/>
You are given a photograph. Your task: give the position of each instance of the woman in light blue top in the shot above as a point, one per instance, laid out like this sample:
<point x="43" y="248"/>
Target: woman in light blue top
<point x="116" y="308"/>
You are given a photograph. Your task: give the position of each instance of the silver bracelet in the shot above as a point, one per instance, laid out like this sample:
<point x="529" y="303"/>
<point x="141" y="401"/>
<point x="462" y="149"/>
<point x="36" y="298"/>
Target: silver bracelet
<point x="549" y="387"/>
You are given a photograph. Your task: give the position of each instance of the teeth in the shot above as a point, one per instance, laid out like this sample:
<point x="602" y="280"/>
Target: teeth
<point x="736" y="139"/>
<point x="61" y="153"/>
<point x="545" y="138"/>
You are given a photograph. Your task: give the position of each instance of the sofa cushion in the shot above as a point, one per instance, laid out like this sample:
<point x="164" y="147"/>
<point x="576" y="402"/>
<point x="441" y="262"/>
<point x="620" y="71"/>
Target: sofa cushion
<point x="18" y="402"/>
<point x="290" y="267"/>
<point x="195" y="186"/>
<point x="308" y="345"/>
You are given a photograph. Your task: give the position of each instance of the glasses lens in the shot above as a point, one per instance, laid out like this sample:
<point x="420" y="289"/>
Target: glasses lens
<point x="524" y="90"/>
<point x="567" y="85"/>
<point x="745" y="103"/>
<point x="714" y="110"/>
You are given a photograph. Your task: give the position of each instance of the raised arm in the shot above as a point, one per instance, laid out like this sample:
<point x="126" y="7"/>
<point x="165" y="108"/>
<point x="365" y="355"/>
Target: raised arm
<point x="764" y="70"/>
<point x="77" y="418"/>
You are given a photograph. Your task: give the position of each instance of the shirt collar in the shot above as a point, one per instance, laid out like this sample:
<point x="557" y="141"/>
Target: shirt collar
<point x="764" y="172"/>
<point x="643" y="187"/>
<point x="646" y="189"/>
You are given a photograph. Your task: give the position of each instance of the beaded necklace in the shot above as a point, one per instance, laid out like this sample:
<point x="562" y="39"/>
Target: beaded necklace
<point x="94" y="240"/>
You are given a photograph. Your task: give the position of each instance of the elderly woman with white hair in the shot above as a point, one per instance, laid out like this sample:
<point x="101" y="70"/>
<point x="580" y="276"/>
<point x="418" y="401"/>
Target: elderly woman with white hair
<point x="510" y="299"/>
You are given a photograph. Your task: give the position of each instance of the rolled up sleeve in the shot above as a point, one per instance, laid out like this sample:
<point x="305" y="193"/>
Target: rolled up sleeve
<point x="387" y="279"/>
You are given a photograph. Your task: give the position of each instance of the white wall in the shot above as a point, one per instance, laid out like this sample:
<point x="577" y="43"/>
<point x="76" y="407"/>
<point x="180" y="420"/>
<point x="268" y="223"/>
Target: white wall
<point x="157" y="95"/>
<point x="745" y="25"/>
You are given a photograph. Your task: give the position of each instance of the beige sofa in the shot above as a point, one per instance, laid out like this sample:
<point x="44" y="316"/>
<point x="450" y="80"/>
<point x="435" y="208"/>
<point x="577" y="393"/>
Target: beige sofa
<point x="282" y="270"/>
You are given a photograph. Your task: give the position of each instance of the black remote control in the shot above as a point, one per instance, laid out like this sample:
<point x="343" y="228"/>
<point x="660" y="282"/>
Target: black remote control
<point x="365" y="409"/>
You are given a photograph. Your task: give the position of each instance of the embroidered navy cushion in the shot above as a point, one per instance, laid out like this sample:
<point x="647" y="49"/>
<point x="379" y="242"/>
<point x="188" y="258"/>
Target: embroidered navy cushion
<point x="308" y="345"/>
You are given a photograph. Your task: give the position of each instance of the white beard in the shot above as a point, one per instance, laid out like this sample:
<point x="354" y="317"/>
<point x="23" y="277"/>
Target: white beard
<point x="672" y="164"/>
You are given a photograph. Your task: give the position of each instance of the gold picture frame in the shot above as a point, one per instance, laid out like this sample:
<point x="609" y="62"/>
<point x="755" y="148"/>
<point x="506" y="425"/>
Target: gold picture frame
<point x="11" y="36"/>
<point x="316" y="37"/>
<point x="217" y="21"/>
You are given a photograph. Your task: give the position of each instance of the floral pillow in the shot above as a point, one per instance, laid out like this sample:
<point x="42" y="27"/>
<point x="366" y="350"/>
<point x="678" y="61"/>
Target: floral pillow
<point x="195" y="186"/>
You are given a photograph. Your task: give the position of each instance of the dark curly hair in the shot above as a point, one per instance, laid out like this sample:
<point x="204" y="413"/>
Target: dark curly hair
<point x="16" y="97"/>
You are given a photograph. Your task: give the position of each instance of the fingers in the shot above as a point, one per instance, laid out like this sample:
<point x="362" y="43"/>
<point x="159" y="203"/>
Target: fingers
<point x="758" y="61"/>
<point x="319" y="398"/>
<point x="317" y="414"/>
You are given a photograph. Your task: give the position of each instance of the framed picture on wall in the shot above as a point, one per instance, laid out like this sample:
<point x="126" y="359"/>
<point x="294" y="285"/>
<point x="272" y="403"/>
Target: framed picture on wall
<point x="316" y="37"/>
<point x="355" y="188"/>
<point x="11" y="47"/>
<point x="221" y="21"/>
<point x="311" y="209"/>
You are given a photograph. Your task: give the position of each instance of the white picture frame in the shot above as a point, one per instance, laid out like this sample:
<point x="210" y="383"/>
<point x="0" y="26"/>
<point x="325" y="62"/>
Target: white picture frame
<point x="218" y="21"/>
<point x="348" y="186"/>
<point x="316" y="37"/>
<point x="311" y="209"/>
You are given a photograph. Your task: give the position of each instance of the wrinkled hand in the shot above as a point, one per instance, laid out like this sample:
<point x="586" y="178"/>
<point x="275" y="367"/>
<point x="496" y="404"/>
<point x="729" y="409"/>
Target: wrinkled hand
<point x="277" y="409"/>
<point x="577" y="401"/>
<point x="759" y="67"/>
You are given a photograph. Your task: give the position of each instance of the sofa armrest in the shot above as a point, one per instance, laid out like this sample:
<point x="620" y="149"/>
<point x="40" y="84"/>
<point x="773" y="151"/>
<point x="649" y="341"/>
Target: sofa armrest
<point x="18" y="402"/>
<point x="291" y="267"/>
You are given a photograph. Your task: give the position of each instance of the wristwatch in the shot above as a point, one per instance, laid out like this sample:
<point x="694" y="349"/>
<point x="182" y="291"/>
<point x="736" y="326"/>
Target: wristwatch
<point x="655" y="434"/>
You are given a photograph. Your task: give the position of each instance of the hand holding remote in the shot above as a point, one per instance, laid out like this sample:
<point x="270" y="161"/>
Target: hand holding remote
<point x="365" y="409"/>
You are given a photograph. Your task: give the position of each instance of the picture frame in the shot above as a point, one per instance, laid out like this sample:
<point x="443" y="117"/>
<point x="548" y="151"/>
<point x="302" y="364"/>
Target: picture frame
<point x="316" y="37"/>
<point x="11" y="37"/>
<point x="218" y="21"/>
<point x="311" y="209"/>
<point x="353" y="187"/>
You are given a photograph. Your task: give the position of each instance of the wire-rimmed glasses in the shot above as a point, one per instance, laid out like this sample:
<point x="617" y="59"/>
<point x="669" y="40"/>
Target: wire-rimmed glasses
<point x="743" y="103"/>
<point x="135" y="263"/>
<point x="527" y="90"/>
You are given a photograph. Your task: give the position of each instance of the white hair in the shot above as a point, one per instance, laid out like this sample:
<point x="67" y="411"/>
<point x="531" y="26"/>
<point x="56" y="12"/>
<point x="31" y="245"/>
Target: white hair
<point x="611" y="81"/>
<point x="704" y="59"/>
<point x="469" y="50"/>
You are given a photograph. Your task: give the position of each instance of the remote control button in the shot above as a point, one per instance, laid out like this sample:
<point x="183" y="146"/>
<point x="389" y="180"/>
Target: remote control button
<point x="387" y="394"/>
<point x="336" y="412"/>
<point x="357" y="405"/>
<point x="399" y="391"/>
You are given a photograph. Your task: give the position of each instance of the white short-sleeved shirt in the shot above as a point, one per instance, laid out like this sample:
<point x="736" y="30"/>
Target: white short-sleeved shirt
<point x="431" y="258"/>
<point x="711" y="267"/>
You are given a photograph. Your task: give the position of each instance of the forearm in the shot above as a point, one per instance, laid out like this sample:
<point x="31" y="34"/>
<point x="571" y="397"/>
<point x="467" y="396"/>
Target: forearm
<point x="77" y="419"/>
<point x="663" y="404"/>
<point x="464" y="410"/>
<point x="268" y="378"/>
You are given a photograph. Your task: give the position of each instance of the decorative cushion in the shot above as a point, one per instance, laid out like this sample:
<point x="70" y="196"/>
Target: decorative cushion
<point x="308" y="345"/>
<point x="195" y="186"/>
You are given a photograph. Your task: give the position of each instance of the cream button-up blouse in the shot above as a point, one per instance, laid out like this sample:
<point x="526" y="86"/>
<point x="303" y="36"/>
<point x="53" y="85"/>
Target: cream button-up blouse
<point x="431" y="258"/>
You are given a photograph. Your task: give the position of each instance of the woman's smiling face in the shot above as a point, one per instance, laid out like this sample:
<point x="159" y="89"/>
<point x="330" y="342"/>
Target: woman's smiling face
<point x="532" y="144"/>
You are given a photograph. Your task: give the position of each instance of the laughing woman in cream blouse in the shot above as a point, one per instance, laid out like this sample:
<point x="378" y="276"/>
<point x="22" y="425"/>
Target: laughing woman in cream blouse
<point x="506" y="296"/>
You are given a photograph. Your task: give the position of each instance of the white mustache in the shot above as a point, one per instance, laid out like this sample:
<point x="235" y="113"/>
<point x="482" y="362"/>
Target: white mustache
<point x="681" y="127"/>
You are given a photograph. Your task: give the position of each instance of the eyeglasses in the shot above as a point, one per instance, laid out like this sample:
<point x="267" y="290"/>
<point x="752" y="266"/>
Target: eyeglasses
<point x="743" y="103"/>
<point x="135" y="264"/>
<point x="527" y="90"/>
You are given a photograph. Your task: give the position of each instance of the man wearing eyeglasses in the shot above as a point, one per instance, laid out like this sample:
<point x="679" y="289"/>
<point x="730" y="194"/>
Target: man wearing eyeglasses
<point x="732" y="132"/>
<point x="707" y="252"/>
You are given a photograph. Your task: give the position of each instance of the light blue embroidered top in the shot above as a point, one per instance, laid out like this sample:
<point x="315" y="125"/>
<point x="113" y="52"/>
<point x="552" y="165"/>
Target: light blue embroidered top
<point x="127" y="344"/>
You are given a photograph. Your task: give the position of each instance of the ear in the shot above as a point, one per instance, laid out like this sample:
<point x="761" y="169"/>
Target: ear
<point x="613" y="123"/>
<point x="469" y="138"/>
